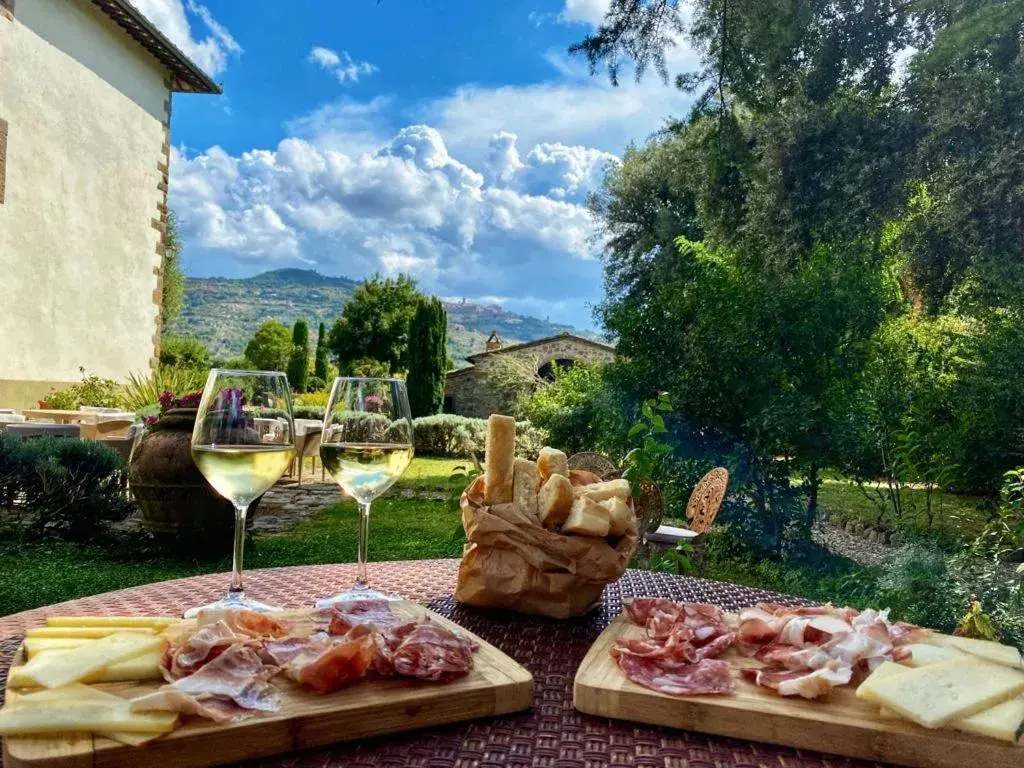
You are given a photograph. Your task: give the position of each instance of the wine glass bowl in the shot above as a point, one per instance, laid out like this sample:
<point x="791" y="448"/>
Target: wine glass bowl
<point x="366" y="445"/>
<point x="242" y="456"/>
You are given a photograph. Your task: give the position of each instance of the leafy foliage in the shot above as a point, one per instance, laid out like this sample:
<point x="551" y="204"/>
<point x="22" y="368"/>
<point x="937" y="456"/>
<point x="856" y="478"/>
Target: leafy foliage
<point x="144" y="389"/>
<point x="374" y="324"/>
<point x="270" y="348"/>
<point x="577" y="409"/>
<point x="91" y="390"/>
<point x="428" y="358"/>
<point x="184" y="352"/>
<point x="58" y="488"/>
<point x="648" y="451"/>
<point x="298" y="361"/>
<point x="172" y="276"/>
<point x="320" y="361"/>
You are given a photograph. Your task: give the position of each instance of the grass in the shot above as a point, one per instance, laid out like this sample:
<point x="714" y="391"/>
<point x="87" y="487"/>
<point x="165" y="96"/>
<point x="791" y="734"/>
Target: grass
<point x="400" y="529"/>
<point x="427" y="473"/>
<point x="954" y="517"/>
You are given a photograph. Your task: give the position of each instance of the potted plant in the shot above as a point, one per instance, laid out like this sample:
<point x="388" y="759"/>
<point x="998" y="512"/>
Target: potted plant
<point x="176" y="501"/>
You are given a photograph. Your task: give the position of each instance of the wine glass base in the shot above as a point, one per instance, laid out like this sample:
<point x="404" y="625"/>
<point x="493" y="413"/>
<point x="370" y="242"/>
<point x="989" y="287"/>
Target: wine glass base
<point x="233" y="604"/>
<point x="354" y="594"/>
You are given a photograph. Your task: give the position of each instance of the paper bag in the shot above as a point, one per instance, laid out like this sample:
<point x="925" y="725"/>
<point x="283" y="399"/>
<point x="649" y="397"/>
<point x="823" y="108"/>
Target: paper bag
<point x="512" y="562"/>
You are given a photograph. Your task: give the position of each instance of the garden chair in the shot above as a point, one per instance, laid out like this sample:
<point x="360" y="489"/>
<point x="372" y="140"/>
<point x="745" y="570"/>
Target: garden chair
<point x="11" y="418"/>
<point x="701" y="511"/>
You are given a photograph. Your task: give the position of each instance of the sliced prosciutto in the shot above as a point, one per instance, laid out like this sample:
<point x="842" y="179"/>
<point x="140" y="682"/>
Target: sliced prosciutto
<point x="335" y="663"/>
<point x="681" y="679"/>
<point x="189" y="654"/>
<point x="376" y="613"/>
<point x="245" y="622"/>
<point x="169" y="699"/>
<point x="238" y="674"/>
<point x="808" y="683"/>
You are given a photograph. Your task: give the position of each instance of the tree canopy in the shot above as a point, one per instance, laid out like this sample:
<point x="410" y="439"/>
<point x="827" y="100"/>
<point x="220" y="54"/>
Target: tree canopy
<point x="374" y="324"/>
<point x="270" y="347"/>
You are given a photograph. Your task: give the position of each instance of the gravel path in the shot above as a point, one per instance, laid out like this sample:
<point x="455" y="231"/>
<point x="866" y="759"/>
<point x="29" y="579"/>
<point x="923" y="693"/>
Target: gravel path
<point x="838" y="541"/>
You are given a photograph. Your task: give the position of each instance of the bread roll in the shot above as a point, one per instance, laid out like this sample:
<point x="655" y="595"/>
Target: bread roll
<point x="620" y="516"/>
<point x="582" y="477"/>
<point x="554" y="501"/>
<point x="604" y="491"/>
<point x="587" y="518"/>
<point x="552" y="462"/>
<point x="525" y="487"/>
<point x="500" y="445"/>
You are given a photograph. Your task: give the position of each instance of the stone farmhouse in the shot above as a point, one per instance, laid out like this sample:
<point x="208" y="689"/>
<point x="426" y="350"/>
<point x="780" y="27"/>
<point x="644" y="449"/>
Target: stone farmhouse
<point x="471" y="391"/>
<point x="85" y="109"/>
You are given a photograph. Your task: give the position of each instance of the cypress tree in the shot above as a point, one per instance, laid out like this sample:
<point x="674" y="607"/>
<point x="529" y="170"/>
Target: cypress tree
<point x="298" y="363"/>
<point x="320" y="363"/>
<point x="428" y="358"/>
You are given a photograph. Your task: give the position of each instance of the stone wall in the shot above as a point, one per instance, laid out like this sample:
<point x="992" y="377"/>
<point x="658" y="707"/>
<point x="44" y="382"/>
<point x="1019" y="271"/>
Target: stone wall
<point x="470" y="392"/>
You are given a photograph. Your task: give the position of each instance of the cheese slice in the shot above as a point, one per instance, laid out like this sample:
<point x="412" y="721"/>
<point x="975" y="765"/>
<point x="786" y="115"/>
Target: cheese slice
<point x="34" y="645"/>
<point x="158" y="622"/>
<point x="27" y="718"/>
<point x="883" y="671"/>
<point x="997" y="653"/>
<point x="923" y="654"/>
<point x="57" y="669"/>
<point x="999" y="722"/>
<point x="950" y="690"/>
<point x="84" y="632"/>
<point x="79" y="692"/>
<point x="143" y="667"/>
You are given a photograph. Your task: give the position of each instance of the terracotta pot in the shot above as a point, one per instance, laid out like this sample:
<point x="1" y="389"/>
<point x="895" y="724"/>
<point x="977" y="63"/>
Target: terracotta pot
<point x="174" y="496"/>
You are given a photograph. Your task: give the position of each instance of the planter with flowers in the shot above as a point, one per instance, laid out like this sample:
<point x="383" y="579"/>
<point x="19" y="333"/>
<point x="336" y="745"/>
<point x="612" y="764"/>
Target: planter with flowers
<point x="177" y="503"/>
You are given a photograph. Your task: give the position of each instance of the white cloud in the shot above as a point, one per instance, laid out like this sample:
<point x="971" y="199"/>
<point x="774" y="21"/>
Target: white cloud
<point x="210" y="53"/>
<point x="584" y="11"/>
<point x="340" y="65"/>
<point x="409" y="206"/>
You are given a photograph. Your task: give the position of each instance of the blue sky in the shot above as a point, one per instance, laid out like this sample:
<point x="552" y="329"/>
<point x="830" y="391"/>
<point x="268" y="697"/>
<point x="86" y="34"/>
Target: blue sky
<point x="453" y="140"/>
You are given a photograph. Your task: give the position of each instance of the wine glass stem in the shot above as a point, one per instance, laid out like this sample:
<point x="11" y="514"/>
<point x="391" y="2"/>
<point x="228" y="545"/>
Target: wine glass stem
<point x="237" y="591"/>
<point x="364" y="539"/>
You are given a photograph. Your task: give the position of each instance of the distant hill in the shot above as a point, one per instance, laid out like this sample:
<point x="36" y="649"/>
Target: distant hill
<point x="224" y="312"/>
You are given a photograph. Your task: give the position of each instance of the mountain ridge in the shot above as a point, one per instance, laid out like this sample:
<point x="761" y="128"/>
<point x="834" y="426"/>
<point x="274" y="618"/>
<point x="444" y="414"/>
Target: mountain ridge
<point x="224" y="312"/>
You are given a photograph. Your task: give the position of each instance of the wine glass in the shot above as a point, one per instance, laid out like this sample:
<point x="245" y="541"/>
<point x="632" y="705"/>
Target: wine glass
<point x="242" y="456"/>
<point x="366" y="445"/>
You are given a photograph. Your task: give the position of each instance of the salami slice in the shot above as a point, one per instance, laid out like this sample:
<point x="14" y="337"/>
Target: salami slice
<point x="709" y="676"/>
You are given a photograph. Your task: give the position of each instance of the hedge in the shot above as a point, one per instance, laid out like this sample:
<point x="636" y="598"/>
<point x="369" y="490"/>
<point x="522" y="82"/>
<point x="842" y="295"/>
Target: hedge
<point x="67" y="489"/>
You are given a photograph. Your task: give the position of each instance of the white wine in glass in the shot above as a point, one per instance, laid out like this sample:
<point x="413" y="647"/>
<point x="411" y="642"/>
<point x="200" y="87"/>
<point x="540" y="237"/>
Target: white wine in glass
<point x="242" y="456"/>
<point x="366" y="445"/>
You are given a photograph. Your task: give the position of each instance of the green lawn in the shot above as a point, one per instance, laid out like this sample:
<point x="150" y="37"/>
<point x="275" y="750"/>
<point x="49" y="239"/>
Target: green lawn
<point x="400" y="529"/>
<point x="953" y="516"/>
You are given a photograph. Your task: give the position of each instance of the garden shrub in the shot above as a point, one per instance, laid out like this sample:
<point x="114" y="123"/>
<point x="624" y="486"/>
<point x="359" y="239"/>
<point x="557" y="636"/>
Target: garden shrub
<point x="60" y="488"/>
<point x="91" y="390"/>
<point x="460" y="436"/>
<point x="144" y="389"/>
<point x="316" y="385"/>
<point x="184" y="352"/>
<point x="917" y="584"/>
<point x="316" y="398"/>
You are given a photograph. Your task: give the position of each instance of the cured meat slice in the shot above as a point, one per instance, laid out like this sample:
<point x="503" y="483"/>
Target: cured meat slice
<point x="339" y="662"/>
<point x="285" y="650"/>
<point x="377" y="613"/>
<point x="237" y="674"/>
<point x="428" y="651"/>
<point x="245" y="622"/>
<point x="808" y="683"/>
<point x="191" y="652"/>
<point x="169" y="699"/>
<point x="709" y="676"/>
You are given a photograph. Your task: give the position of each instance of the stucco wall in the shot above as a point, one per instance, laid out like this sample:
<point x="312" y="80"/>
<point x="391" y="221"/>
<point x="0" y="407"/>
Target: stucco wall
<point x="473" y="394"/>
<point x="86" y="108"/>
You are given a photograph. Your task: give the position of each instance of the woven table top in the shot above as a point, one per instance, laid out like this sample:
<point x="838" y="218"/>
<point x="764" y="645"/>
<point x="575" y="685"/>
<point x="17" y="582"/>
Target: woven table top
<point x="552" y="735"/>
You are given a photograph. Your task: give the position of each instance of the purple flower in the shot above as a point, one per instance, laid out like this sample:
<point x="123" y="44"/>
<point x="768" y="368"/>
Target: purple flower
<point x="373" y="404"/>
<point x="151" y="420"/>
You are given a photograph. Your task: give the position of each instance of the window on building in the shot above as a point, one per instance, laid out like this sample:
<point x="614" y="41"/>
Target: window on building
<point x="449" y="404"/>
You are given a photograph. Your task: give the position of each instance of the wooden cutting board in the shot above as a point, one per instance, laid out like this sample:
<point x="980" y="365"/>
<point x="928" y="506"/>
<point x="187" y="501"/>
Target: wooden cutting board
<point x="842" y="725"/>
<point x="496" y="685"/>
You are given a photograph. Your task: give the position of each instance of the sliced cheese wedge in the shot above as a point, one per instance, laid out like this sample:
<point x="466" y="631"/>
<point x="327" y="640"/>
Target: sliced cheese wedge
<point x="950" y="690"/>
<point x="34" y="645"/>
<point x="84" y="632"/>
<point x="923" y="654"/>
<point x="27" y="718"/>
<point x="997" y="653"/>
<point x="157" y="622"/>
<point x="140" y="668"/>
<point x="71" y="666"/>
<point x="883" y="671"/>
<point x="999" y="722"/>
<point x="79" y="692"/>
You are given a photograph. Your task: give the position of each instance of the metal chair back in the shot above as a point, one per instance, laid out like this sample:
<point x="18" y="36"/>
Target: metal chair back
<point x="706" y="499"/>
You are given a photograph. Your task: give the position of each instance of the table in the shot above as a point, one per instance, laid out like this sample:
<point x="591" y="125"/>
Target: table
<point x="552" y="735"/>
<point x="59" y="416"/>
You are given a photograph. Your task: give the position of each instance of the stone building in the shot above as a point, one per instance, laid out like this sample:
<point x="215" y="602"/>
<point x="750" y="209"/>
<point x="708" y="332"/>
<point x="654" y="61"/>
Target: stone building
<point x="471" y="391"/>
<point x="85" y="109"/>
